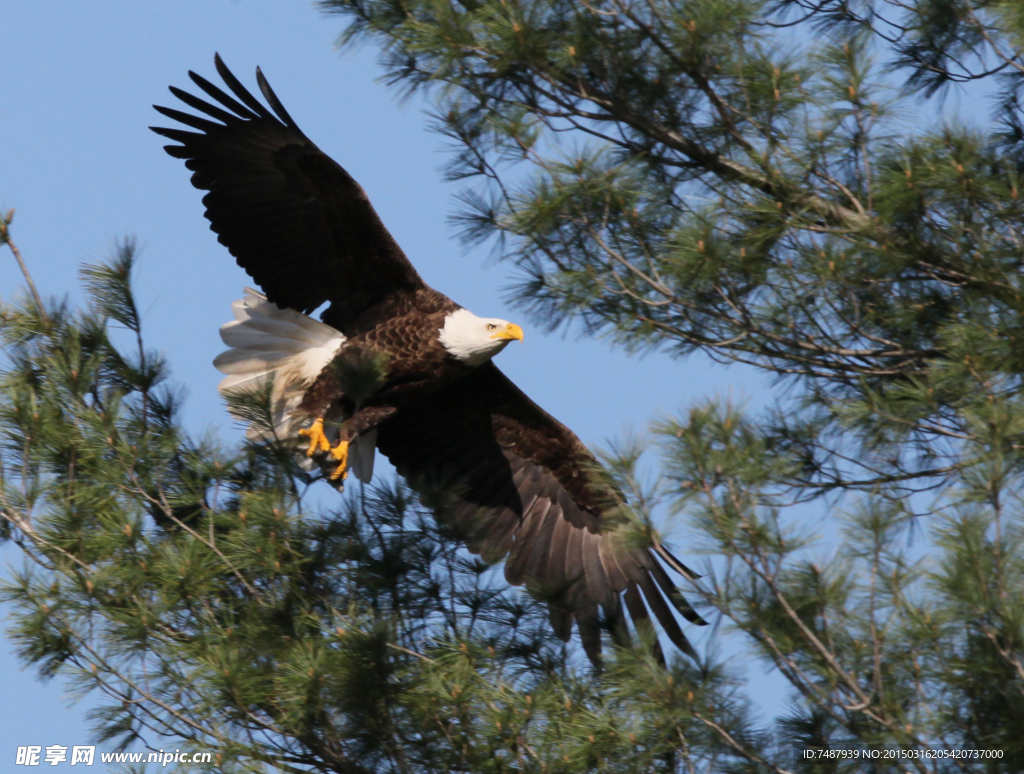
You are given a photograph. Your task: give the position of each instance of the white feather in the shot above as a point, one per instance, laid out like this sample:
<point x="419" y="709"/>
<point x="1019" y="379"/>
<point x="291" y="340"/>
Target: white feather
<point x="242" y="335"/>
<point x="237" y="361"/>
<point x="285" y="330"/>
<point x="268" y="342"/>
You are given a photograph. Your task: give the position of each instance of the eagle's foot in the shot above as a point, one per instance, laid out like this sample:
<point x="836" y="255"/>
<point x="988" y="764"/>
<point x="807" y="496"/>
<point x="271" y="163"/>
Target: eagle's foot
<point x="317" y="440"/>
<point x="340" y="453"/>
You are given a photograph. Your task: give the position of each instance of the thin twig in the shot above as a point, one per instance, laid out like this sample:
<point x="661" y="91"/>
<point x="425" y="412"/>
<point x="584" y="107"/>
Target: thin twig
<point x="5" y="239"/>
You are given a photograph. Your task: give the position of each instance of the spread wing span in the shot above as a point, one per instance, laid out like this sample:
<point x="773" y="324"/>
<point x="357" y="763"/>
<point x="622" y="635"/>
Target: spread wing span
<point x="507" y="477"/>
<point x="526" y="488"/>
<point x="294" y="219"/>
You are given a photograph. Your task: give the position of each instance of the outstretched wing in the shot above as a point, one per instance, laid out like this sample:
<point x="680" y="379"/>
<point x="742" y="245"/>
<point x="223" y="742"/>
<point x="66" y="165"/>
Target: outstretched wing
<point x="296" y="221"/>
<point x="515" y="482"/>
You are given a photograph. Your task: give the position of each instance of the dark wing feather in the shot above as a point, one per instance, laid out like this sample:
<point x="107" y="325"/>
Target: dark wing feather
<point x="516" y="483"/>
<point x="296" y="221"/>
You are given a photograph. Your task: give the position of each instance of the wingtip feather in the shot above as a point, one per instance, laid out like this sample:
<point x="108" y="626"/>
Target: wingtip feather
<point x="675" y="564"/>
<point x="271" y="98"/>
<point x="240" y="110"/>
<point x="239" y="90"/>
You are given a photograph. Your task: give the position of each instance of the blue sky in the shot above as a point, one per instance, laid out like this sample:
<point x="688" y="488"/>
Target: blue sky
<point x="80" y="166"/>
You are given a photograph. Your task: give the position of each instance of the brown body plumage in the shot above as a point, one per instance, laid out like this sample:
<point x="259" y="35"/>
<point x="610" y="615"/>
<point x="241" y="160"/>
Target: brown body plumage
<point x="514" y="481"/>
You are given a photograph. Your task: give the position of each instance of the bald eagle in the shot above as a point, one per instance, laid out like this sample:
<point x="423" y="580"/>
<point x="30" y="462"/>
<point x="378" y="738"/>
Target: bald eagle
<point x="519" y="484"/>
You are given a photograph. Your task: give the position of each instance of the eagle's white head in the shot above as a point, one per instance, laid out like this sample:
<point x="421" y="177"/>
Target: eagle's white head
<point x="475" y="340"/>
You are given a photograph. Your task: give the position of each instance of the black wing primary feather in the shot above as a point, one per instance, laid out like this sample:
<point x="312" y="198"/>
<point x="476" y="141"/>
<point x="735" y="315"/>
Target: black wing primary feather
<point x="294" y="219"/>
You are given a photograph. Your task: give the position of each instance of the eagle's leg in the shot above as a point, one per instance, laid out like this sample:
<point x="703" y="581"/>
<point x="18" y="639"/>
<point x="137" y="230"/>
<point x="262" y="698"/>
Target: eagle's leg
<point x="317" y="440"/>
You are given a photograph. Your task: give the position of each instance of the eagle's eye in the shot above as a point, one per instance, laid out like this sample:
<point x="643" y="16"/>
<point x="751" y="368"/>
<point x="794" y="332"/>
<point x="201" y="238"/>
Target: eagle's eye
<point x="491" y="326"/>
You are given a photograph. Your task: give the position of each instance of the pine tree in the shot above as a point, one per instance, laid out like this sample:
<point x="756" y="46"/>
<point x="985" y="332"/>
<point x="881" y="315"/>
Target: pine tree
<point x="205" y="594"/>
<point x="766" y="182"/>
<point x="734" y="176"/>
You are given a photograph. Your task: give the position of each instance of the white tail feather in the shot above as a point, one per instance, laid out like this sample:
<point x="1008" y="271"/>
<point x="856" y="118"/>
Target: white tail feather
<point x="267" y="342"/>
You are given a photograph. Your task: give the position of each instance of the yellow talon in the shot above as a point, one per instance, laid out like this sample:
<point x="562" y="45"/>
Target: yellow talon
<point x="340" y="453"/>
<point x="317" y="440"/>
<point x="318" y="443"/>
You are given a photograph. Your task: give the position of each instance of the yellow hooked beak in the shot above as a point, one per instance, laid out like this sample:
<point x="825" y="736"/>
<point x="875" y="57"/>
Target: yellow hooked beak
<point x="512" y="331"/>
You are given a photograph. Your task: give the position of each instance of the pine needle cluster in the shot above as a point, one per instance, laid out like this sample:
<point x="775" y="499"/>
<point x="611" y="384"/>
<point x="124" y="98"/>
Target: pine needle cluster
<point x="207" y="594"/>
<point x="767" y="182"/>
